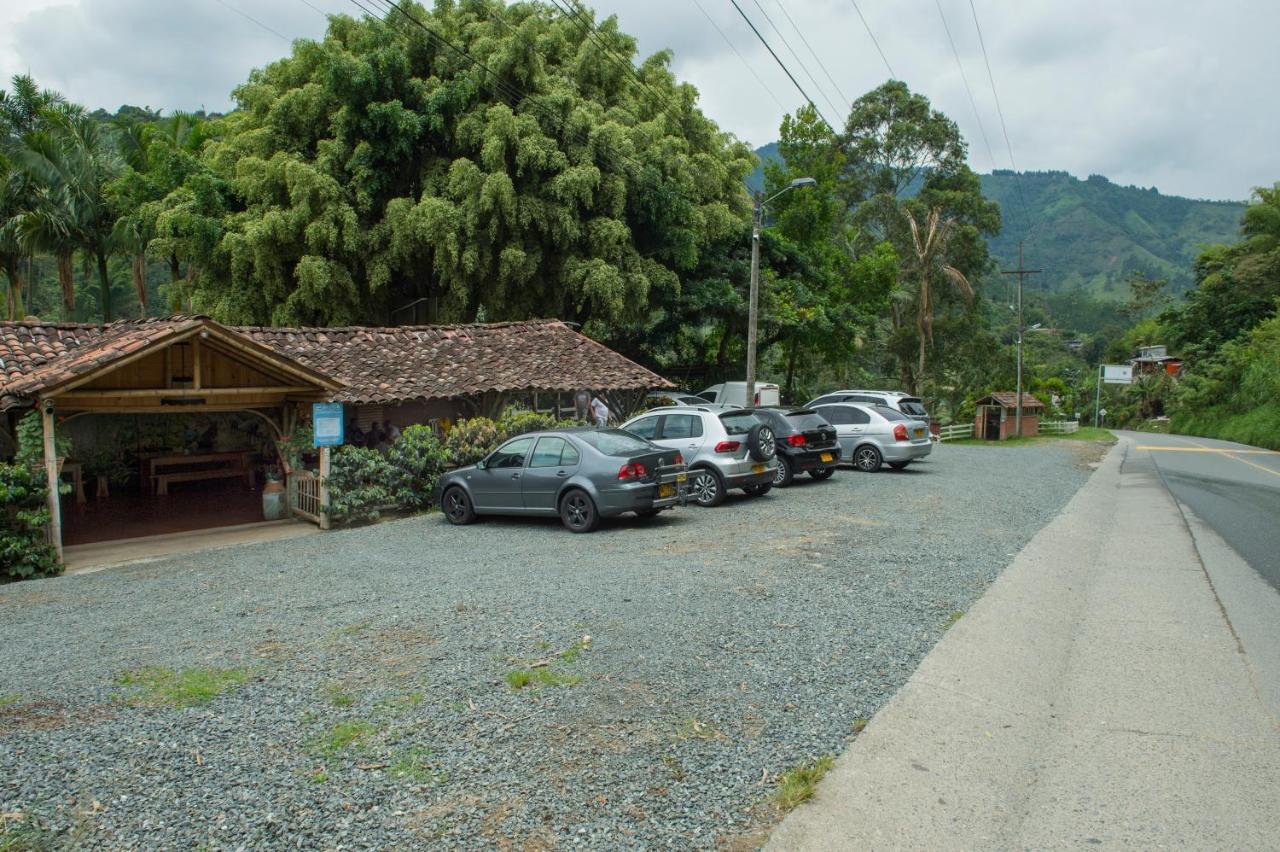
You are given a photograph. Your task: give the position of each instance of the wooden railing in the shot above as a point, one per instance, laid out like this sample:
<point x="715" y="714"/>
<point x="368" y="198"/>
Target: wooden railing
<point x="304" y="495"/>
<point x="955" y="431"/>
<point x="1059" y="427"/>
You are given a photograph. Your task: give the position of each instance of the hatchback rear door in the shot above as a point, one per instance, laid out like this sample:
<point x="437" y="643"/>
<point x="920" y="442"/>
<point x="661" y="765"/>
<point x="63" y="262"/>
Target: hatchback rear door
<point x="681" y="432"/>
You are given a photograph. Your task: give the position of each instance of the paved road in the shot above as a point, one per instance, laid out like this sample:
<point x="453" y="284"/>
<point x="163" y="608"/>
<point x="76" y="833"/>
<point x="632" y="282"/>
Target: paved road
<point x="1234" y="488"/>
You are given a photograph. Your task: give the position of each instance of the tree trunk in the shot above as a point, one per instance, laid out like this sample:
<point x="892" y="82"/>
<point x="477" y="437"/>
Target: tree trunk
<point x="67" y="281"/>
<point x="175" y="285"/>
<point x="140" y="282"/>
<point x="104" y="285"/>
<point x="791" y="369"/>
<point x="722" y="355"/>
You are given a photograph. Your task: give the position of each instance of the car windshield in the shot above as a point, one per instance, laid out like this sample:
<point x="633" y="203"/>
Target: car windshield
<point x="615" y="442"/>
<point x="914" y="407"/>
<point x="738" y="422"/>
<point x="806" y="421"/>
<point x="890" y="414"/>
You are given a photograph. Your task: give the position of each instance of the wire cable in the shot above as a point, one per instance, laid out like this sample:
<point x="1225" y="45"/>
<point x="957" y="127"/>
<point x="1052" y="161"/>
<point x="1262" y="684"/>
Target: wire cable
<point x="1026" y="211"/>
<point x="249" y="17"/>
<point x="742" y="58"/>
<point x="814" y="54"/>
<point x="783" y="66"/>
<point x="867" y="27"/>
<point x="814" y="80"/>
<point x="964" y="79"/>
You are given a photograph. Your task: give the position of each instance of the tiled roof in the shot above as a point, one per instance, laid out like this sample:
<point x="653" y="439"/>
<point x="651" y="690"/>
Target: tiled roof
<point x="1009" y="399"/>
<point x="386" y="365"/>
<point x="377" y="365"/>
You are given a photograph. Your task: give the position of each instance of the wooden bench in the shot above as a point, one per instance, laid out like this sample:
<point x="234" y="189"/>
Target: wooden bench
<point x="162" y="480"/>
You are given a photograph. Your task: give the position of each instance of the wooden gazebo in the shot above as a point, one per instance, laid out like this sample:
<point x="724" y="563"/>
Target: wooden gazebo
<point x="997" y="415"/>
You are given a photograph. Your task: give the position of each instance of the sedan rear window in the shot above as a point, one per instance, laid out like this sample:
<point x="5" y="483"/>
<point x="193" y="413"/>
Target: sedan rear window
<point x="806" y="421"/>
<point x="738" y="422"/>
<point x="615" y="442"/>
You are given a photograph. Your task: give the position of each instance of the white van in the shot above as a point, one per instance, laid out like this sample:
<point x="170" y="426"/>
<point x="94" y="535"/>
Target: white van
<point x="735" y="393"/>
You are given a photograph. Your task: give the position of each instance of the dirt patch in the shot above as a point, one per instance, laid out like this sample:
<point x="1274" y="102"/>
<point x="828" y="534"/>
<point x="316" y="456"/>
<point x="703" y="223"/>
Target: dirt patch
<point x="46" y="715"/>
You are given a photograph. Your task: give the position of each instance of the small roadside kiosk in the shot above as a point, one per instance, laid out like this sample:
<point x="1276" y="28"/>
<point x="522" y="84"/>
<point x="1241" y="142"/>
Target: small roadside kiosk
<point x="997" y="416"/>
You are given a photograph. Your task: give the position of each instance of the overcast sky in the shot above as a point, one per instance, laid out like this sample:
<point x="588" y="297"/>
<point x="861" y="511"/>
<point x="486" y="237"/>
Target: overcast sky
<point x="1167" y="93"/>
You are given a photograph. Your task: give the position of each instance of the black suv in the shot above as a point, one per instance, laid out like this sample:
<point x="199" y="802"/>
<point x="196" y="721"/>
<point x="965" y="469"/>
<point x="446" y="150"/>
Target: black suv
<point x="805" y="441"/>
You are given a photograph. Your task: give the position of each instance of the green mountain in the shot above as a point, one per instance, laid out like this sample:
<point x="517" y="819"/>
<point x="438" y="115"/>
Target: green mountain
<point x="1088" y="235"/>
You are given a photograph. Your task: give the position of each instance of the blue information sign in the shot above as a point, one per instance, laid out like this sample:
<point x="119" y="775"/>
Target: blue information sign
<point x="326" y="418"/>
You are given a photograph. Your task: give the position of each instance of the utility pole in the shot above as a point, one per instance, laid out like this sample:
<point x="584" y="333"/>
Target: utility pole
<point x="1021" y="272"/>
<point x="754" y="308"/>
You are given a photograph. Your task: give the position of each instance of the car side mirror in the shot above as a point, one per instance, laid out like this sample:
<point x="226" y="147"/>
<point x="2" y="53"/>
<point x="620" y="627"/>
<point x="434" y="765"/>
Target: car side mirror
<point x="482" y="464"/>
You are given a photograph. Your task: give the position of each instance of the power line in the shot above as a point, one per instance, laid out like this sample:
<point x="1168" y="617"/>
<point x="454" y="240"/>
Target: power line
<point x="783" y="66"/>
<point x="964" y="79"/>
<point x="813" y="53"/>
<point x="1026" y="212"/>
<point x="248" y="17"/>
<point x="743" y="59"/>
<point x="867" y="27"/>
<point x="796" y="56"/>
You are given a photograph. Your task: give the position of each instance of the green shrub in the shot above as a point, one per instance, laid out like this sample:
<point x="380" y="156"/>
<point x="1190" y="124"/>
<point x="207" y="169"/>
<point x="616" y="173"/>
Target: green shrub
<point x="518" y="421"/>
<point x="417" y="459"/>
<point x="30" y="434"/>
<point x="360" y="484"/>
<point x="23" y="515"/>
<point x="471" y="440"/>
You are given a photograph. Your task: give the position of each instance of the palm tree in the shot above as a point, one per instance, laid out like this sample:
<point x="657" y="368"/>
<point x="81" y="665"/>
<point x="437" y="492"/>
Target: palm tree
<point x="71" y="162"/>
<point x="927" y="265"/>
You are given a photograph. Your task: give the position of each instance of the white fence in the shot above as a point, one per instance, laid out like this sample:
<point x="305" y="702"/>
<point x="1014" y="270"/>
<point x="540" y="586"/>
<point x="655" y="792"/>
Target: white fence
<point x="1059" y="427"/>
<point x="955" y="432"/>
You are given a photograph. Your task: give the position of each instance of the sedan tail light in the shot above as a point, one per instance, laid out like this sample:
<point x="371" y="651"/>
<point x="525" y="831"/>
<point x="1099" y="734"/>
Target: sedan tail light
<point x="795" y="440"/>
<point x="632" y="470"/>
<point x="728" y="446"/>
<point x="899" y="432"/>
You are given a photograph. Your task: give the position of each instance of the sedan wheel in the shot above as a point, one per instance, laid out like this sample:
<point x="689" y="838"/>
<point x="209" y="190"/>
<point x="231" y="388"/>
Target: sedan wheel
<point x="823" y="473"/>
<point x="705" y="488"/>
<point x="866" y="459"/>
<point x="785" y="473"/>
<point x="578" y="512"/>
<point x="457" y="506"/>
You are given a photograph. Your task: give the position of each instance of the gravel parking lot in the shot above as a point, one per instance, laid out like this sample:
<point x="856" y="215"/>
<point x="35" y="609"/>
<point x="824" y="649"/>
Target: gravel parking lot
<point x="372" y="676"/>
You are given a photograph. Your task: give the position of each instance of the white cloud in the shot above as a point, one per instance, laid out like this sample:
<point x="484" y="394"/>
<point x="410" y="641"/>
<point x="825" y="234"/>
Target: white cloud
<point x="1170" y="94"/>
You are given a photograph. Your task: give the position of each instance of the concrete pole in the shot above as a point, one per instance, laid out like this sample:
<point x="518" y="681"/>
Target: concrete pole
<point x="324" y="488"/>
<point x="1097" y="401"/>
<point x="1018" y="421"/>
<point x="51" y="477"/>
<point x="754" y="308"/>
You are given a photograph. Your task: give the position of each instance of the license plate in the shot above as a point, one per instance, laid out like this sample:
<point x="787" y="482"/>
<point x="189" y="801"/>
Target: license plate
<point x="757" y="468"/>
<point x="682" y="477"/>
<point x="826" y="457"/>
<point x="919" y="433"/>
<point x="666" y="490"/>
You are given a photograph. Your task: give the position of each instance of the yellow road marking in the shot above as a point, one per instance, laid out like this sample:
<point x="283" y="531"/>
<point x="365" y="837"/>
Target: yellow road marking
<point x="1222" y="451"/>
<point x="1203" y="449"/>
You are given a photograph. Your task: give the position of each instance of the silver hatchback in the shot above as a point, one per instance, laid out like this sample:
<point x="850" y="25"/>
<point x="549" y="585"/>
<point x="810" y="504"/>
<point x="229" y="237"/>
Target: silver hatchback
<point x="724" y="447"/>
<point x="871" y="435"/>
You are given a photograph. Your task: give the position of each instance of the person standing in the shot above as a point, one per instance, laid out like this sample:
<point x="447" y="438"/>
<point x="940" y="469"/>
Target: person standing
<point x="392" y="431"/>
<point x="582" y="405"/>
<point x="600" y="410"/>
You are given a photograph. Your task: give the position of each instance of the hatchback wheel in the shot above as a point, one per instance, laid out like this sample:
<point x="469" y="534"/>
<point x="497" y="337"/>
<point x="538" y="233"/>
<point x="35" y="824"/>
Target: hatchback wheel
<point x="758" y="490"/>
<point x="785" y="473"/>
<point x="899" y="465"/>
<point x="578" y="512"/>
<point x="706" y="488"/>
<point x="457" y="506"/>
<point x="866" y="458"/>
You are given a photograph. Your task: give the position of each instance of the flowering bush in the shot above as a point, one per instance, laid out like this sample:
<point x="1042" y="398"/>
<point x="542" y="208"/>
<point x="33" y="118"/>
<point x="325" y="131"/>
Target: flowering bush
<point x="471" y="440"/>
<point x="518" y="421"/>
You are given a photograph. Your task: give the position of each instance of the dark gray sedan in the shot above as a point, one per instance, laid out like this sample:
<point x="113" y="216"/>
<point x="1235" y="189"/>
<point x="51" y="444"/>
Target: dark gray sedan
<point x="582" y="475"/>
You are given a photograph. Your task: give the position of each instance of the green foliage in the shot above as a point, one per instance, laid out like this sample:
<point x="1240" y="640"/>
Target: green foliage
<point x="30" y="433"/>
<point x="518" y="421"/>
<point x="360" y="484"/>
<point x="471" y="440"/>
<point x="798" y="784"/>
<point x="24" y="553"/>
<point x="417" y="459"/>
<point x="299" y="444"/>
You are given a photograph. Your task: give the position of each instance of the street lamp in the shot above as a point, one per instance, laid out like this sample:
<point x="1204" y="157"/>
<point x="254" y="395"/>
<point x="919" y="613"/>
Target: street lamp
<point x="753" y="311"/>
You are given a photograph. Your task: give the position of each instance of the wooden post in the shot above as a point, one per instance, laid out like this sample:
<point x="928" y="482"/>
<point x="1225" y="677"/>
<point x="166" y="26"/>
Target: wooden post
<point x="51" y="475"/>
<point x="195" y="369"/>
<point x="324" y="488"/>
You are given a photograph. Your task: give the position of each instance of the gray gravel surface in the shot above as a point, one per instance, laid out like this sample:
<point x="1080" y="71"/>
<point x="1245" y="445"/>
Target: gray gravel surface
<point x="725" y="647"/>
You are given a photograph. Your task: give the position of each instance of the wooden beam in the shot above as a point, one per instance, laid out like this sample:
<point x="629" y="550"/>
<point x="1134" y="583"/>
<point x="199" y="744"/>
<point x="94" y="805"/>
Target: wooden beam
<point x="51" y="476"/>
<point x="195" y="370"/>
<point x="176" y="393"/>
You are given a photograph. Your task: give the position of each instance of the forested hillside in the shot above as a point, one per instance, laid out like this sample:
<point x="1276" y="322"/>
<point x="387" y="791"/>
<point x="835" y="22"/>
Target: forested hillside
<point x="1092" y="234"/>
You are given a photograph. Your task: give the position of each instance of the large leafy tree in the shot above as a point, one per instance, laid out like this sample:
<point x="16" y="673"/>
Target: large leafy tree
<point x="904" y="164"/>
<point x="492" y="159"/>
